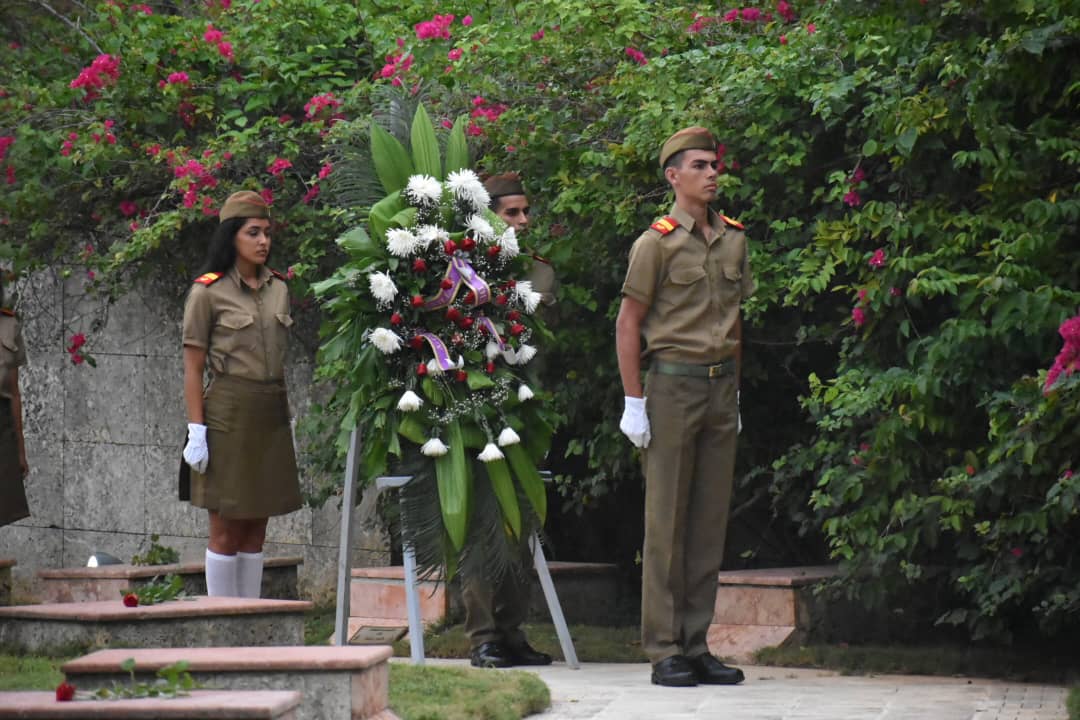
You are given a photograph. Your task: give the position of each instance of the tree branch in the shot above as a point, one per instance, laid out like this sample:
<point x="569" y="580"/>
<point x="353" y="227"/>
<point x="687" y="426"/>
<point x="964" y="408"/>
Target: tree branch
<point x="73" y="25"/>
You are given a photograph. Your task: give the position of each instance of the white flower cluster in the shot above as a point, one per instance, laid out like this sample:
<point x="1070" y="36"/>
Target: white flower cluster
<point x="508" y="244"/>
<point x="528" y="298"/>
<point x="383" y="288"/>
<point x="387" y="341"/>
<point x="466" y="187"/>
<point x="423" y="190"/>
<point x="401" y="243"/>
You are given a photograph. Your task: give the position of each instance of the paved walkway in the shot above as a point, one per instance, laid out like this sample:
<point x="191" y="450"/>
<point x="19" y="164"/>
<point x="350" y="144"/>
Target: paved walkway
<point x="606" y="691"/>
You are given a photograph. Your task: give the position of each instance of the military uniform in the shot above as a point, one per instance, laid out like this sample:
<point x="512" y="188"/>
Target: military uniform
<point x="252" y="471"/>
<point x="13" y="505"/>
<point x="692" y="280"/>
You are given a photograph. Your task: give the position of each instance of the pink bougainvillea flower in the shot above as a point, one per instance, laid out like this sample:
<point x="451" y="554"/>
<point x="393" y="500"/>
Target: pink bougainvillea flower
<point x="290" y="273"/>
<point x="852" y="199"/>
<point x="637" y="56"/>
<point x="267" y="195"/>
<point x="6" y="141"/>
<point x="895" y="291"/>
<point x="179" y="78"/>
<point x="9" y="174"/>
<point x="1016" y="552"/>
<point x="877" y="260"/>
<point x="77" y="341"/>
<point x="128" y="208"/>
<point x="970" y="470"/>
<point x="1067" y="474"/>
<point x="858" y="316"/>
<point x="225" y="49"/>
<point x="811" y="28"/>
<point x="538" y="35"/>
<point x="213" y="35"/>
<point x="751" y="14"/>
<point x="454" y="54"/>
<point x="783" y="39"/>
<point x="857" y="176"/>
<point x="784" y="10"/>
<point x="153" y="149"/>
<point x="434" y="29"/>
<point x="862" y="294"/>
<point x="731" y="16"/>
<point x="467" y="20"/>
<point x="310" y="195"/>
<point x="325" y="170"/>
<point x="473" y="129"/>
<point x="279" y="166"/>
<point x="321" y="105"/>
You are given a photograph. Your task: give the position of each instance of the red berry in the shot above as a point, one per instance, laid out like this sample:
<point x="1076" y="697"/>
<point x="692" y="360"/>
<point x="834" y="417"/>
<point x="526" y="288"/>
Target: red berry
<point x="421" y="369"/>
<point x="419" y="266"/>
<point x="490" y="367"/>
<point x="501" y="300"/>
<point x="466" y="323"/>
<point x="513" y="315"/>
<point x="446" y="284"/>
<point x="468" y="244"/>
<point x="494" y="250"/>
<point x="417" y="301"/>
<point x="395" y="319"/>
<point x="462" y="376"/>
<point x="453" y="314"/>
<point x="517" y="329"/>
<point x="449" y="247"/>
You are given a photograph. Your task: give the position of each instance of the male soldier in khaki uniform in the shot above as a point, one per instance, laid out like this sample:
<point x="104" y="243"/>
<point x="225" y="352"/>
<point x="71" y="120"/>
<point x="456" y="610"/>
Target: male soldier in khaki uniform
<point x="494" y="612"/>
<point x="13" y="464"/>
<point x="686" y="277"/>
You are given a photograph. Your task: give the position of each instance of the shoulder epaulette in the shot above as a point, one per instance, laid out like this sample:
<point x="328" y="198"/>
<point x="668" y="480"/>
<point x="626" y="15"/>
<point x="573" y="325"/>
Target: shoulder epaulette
<point x="278" y="275"/>
<point x="538" y="258"/>
<point x="665" y="225"/>
<point x="208" y="279"/>
<point x="7" y="311"/>
<point x="733" y="222"/>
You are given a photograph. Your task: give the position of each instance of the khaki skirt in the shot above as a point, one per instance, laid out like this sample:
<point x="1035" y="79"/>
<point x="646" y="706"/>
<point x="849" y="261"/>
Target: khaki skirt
<point x="252" y="471"/>
<point x="13" y="504"/>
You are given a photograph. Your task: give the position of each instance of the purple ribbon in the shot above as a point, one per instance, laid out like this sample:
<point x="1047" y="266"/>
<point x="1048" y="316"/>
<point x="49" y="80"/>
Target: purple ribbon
<point x="438" y="349"/>
<point x="459" y="273"/>
<point x="485" y="321"/>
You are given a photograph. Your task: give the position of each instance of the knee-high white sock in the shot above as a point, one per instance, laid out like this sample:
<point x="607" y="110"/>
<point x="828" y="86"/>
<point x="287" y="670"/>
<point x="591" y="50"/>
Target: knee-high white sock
<point x="221" y="575"/>
<point x="249" y="574"/>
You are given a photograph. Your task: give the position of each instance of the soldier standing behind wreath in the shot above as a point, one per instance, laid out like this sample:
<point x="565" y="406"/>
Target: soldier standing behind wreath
<point x="239" y="447"/>
<point x="686" y="278"/>
<point x="13" y="463"/>
<point x="494" y="611"/>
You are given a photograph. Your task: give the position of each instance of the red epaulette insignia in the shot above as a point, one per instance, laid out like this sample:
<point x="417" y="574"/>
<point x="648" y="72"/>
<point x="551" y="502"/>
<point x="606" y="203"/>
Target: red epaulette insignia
<point x="665" y="225"/>
<point x="278" y="275"/>
<point x="208" y="279"/>
<point x="7" y="311"/>
<point x="541" y="259"/>
<point x="732" y="222"/>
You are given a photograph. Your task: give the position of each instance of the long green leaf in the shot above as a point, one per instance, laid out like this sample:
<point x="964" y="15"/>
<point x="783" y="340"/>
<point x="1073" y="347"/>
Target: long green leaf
<point x="499" y="474"/>
<point x="529" y="478"/>
<point x="391" y="159"/>
<point x="358" y="243"/>
<point x="452" y="474"/>
<point x="457" y="150"/>
<point x="381" y="215"/>
<point x="425" y="147"/>
<point x="412" y="429"/>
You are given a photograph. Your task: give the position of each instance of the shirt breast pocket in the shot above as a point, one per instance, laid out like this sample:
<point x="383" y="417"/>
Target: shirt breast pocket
<point x="732" y="283"/>
<point x="683" y="286"/>
<point x="235" y="331"/>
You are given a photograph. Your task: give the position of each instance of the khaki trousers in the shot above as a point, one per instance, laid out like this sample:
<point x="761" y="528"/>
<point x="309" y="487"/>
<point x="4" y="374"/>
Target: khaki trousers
<point x="688" y="478"/>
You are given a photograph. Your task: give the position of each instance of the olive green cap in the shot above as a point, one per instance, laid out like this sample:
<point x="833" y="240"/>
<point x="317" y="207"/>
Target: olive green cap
<point x="691" y="138"/>
<point x="505" y="184"/>
<point x="244" y="204"/>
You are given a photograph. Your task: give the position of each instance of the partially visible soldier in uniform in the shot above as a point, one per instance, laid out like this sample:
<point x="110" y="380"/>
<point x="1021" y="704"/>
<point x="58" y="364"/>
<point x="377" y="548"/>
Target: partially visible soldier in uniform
<point x="239" y="448"/>
<point x="13" y="464"/>
<point x="686" y="277"/>
<point x="494" y="612"/>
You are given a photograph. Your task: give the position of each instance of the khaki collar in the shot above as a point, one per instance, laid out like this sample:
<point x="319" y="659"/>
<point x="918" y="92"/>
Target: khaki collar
<point x="264" y="277"/>
<point x="687" y="221"/>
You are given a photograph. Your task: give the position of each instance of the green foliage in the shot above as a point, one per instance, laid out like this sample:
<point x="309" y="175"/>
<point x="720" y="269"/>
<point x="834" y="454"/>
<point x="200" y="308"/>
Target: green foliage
<point x="172" y="681"/>
<point x="157" y="554"/>
<point x="158" y="590"/>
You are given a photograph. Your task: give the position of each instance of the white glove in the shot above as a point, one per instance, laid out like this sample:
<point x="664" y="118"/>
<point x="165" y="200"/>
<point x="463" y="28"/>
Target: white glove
<point x="196" y="453"/>
<point x="738" y="402"/>
<point x="635" y="423"/>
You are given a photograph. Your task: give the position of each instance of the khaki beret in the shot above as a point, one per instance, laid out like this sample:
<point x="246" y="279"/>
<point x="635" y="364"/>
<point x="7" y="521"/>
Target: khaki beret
<point x="505" y="184"/>
<point x="691" y="138"/>
<point x="244" y="204"/>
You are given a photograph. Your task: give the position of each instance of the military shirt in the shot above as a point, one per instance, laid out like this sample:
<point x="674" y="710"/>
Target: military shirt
<point x="244" y="330"/>
<point x="692" y="282"/>
<point x="543" y="279"/>
<point x="12" y="350"/>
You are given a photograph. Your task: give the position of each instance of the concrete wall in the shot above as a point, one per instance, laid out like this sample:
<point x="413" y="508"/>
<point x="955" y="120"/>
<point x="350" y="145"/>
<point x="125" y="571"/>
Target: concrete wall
<point x="104" y="443"/>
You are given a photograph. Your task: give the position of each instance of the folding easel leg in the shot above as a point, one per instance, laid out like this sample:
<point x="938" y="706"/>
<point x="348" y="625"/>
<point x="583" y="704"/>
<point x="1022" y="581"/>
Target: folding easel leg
<point x="412" y="603"/>
<point x="540" y="563"/>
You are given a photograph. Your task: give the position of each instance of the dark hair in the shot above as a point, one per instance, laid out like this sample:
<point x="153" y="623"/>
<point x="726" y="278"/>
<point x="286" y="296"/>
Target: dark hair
<point x="493" y="205"/>
<point x="675" y="160"/>
<point x="221" y="253"/>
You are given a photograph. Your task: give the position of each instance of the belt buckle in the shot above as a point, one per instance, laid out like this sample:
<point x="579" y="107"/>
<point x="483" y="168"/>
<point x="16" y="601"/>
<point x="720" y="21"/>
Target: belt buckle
<point x="716" y="371"/>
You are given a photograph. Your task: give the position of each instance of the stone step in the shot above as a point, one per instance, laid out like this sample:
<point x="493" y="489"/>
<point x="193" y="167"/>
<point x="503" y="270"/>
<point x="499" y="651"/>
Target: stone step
<point x="588" y="593"/>
<point x="56" y="628"/>
<point x="106" y="582"/>
<point x="763" y="608"/>
<point x="5" y="579"/>
<point x="199" y="705"/>
<point x="337" y="683"/>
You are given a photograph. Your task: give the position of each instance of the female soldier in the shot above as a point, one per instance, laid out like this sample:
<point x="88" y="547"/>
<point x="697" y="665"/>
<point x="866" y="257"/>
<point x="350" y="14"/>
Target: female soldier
<point x="13" y="465"/>
<point x="239" y="445"/>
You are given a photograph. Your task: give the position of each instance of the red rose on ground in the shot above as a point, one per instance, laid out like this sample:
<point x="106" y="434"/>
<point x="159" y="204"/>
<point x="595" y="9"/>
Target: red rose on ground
<point x="131" y="600"/>
<point x="65" y="692"/>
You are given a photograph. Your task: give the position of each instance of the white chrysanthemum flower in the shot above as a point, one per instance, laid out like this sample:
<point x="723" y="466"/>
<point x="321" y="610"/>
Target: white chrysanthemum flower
<point x="467" y="187"/>
<point x="510" y="355"/>
<point x="508" y="437"/>
<point x="433" y="367"/>
<point x="400" y="243"/>
<point x="386" y="340"/>
<point x="409" y="402"/>
<point x="423" y="190"/>
<point x="521" y="290"/>
<point x="481" y="228"/>
<point x="525" y="353"/>
<point x="525" y="393"/>
<point x="532" y="301"/>
<point x="382" y="287"/>
<point x="427" y="234"/>
<point x="508" y="244"/>
<point x="489" y="453"/>
<point x="434" y="448"/>
<point x="491" y="350"/>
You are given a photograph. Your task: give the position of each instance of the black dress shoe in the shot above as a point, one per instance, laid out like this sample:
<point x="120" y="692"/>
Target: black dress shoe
<point x="674" y="671"/>
<point x="491" y="655"/>
<point x="711" y="671"/>
<point x="525" y="654"/>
